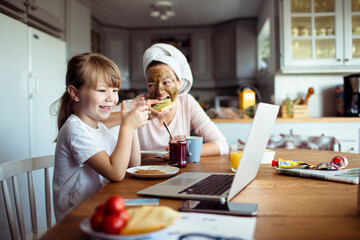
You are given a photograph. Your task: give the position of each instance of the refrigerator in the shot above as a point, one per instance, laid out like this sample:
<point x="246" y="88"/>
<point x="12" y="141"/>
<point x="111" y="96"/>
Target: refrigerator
<point x="32" y="77"/>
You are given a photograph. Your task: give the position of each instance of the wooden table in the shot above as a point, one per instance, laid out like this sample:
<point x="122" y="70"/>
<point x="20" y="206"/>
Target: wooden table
<point x="289" y="207"/>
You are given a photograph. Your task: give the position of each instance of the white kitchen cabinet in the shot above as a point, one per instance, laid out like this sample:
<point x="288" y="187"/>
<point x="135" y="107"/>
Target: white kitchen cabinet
<point x="321" y="35"/>
<point x="32" y="76"/>
<point x="15" y="133"/>
<point x="346" y="132"/>
<point x="43" y="14"/>
<point x="49" y="85"/>
<point x="31" y="83"/>
<point x="352" y="32"/>
<point x="233" y="131"/>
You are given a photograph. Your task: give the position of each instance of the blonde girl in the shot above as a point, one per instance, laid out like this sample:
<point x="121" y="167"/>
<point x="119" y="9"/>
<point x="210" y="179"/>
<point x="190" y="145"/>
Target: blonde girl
<point x="87" y="155"/>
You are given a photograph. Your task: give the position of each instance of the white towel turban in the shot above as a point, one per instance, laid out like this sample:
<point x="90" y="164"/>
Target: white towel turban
<point x="175" y="59"/>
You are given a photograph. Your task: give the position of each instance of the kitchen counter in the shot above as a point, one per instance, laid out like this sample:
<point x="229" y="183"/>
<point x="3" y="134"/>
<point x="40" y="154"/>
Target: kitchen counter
<point x="290" y="120"/>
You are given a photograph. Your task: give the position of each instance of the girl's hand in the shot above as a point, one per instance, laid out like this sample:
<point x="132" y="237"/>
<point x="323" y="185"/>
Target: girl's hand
<point x="135" y="118"/>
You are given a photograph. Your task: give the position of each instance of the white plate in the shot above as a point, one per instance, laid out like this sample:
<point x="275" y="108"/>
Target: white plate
<point x="169" y="171"/>
<point x="153" y="153"/>
<point x="85" y="227"/>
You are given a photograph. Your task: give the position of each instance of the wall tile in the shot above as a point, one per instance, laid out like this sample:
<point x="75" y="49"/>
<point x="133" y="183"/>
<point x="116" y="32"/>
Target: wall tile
<point x="321" y="103"/>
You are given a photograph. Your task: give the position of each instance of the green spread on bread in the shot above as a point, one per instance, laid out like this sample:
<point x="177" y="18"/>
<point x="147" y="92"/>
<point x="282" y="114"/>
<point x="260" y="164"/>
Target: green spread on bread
<point x="159" y="106"/>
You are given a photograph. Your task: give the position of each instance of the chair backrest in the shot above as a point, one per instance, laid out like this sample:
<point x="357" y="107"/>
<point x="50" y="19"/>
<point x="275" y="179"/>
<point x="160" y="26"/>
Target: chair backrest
<point x="11" y="170"/>
<point x="291" y="141"/>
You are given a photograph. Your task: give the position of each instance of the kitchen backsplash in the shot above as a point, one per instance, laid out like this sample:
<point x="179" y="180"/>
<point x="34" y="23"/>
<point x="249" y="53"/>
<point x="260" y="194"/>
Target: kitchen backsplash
<point x="321" y="103"/>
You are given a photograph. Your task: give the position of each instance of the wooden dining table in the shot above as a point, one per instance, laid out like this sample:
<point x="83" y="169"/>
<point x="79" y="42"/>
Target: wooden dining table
<point x="288" y="207"/>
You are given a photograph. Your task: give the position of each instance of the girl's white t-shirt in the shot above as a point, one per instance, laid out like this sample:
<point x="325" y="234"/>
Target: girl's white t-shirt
<point x="73" y="180"/>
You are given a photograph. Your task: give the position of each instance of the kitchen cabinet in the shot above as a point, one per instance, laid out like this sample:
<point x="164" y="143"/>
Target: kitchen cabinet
<point x="347" y="132"/>
<point x="321" y="35"/>
<point x="235" y="53"/>
<point x="31" y="84"/>
<point x="201" y="59"/>
<point x="116" y="48"/>
<point x="43" y="14"/>
<point x="139" y="43"/>
<point x="195" y="44"/>
<point x="224" y="45"/>
<point x="78" y="27"/>
<point x="51" y="13"/>
<point x="32" y="77"/>
<point x="221" y="56"/>
<point x="14" y="143"/>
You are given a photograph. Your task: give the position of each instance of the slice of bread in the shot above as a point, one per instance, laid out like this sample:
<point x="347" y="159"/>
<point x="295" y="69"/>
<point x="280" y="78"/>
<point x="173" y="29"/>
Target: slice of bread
<point x="149" y="218"/>
<point x="166" y="105"/>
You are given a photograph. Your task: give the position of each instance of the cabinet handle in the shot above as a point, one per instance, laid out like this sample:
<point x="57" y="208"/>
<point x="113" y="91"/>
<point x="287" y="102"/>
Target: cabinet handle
<point x="346" y="59"/>
<point x="31" y="85"/>
<point x="26" y="3"/>
<point x="36" y="87"/>
<point x="33" y="7"/>
<point x="339" y="60"/>
<point x="33" y="88"/>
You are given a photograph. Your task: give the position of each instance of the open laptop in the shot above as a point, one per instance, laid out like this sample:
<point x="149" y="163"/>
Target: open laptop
<point x="182" y="186"/>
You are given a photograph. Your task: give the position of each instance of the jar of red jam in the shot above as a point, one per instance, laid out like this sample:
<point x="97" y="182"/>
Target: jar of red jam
<point x="177" y="151"/>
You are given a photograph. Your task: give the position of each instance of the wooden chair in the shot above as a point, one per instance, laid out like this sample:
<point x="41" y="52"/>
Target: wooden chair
<point x="11" y="170"/>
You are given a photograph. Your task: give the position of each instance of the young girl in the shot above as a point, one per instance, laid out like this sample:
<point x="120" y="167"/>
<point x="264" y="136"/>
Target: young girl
<point x="87" y="155"/>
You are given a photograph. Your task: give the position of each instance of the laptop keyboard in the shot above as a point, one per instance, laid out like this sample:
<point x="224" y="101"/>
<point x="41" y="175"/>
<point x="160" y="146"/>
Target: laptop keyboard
<point x="215" y="184"/>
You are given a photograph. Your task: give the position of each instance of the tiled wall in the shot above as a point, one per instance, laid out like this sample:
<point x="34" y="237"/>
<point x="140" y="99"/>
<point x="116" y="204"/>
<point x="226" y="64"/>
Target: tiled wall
<point x="321" y="103"/>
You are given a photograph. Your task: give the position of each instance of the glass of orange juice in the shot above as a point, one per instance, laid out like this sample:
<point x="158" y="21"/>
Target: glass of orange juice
<point x="235" y="155"/>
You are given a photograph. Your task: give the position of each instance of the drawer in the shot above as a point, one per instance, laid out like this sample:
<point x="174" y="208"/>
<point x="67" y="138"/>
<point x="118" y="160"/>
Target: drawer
<point x="349" y="146"/>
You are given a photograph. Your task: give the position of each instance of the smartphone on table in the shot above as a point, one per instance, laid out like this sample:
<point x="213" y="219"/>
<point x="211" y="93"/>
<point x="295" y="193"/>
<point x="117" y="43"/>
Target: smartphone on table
<point x="228" y="208"/>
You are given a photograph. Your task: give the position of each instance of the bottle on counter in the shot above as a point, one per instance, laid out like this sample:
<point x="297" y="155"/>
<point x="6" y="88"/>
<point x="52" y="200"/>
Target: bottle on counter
<point x="247" y="98"/>
<point x="339" y="100"/>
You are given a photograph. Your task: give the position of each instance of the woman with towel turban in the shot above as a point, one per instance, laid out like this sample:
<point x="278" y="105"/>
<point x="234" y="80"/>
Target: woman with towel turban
<point x="168" y="75"/>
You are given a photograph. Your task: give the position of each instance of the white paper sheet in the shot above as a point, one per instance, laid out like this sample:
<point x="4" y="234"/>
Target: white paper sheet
<point x="227" y="227"/>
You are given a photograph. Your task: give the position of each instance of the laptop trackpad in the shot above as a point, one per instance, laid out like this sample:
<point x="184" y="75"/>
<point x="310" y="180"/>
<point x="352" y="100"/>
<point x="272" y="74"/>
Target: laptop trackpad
<point x="180" y="181"/>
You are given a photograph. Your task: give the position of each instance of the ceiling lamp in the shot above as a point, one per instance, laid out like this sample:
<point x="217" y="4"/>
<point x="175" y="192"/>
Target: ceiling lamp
<point x="162" y="10"/>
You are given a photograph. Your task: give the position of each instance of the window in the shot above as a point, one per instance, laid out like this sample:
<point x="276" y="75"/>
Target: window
<point x="263" y="46"/>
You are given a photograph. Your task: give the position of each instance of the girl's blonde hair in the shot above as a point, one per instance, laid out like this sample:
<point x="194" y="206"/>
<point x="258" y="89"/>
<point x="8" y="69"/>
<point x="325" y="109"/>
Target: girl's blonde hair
<point x="84" y="70"/>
